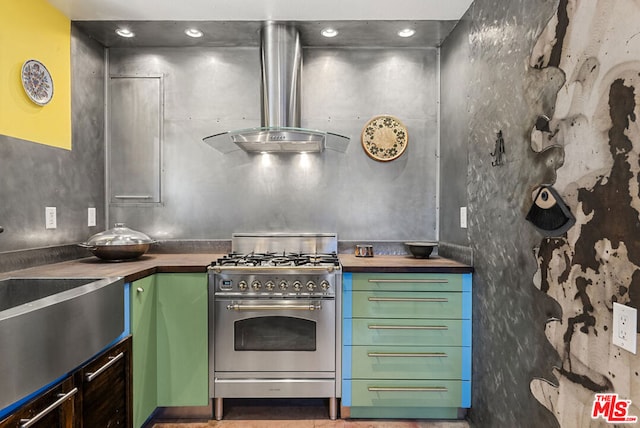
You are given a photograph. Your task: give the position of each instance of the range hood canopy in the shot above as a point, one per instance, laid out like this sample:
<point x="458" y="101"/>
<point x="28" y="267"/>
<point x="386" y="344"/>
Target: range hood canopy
<point x="281" y="61"/>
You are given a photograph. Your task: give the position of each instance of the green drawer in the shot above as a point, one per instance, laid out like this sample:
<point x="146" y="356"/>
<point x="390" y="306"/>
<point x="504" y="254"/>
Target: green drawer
<point x="407" y="281"/>
<point x="399" y="304"/>
<point x="392" y="362"/>
<point x="409" y="332"/>
<point x="407" y="393"/>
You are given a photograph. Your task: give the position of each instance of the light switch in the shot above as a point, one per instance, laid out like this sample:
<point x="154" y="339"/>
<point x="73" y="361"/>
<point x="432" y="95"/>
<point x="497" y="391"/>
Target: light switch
<point x="50" y="221"/>
<point x="463" y="217"/>
<point x="91" y="216"/>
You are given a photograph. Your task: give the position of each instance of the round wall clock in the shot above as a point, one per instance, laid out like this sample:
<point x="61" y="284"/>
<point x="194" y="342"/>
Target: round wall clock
<point x="384" y="138"/>
<point x="37" y="82"/>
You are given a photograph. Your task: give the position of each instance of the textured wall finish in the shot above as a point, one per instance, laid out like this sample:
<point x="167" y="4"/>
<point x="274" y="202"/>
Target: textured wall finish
<point x="542" y="307"/>
<point x="495" y="89"/>
<point x="595" y="121"/>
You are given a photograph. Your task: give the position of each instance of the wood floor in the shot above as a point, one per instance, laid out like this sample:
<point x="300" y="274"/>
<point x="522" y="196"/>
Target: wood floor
<point x="312" y="424"/>
<point x="275" y="414"/>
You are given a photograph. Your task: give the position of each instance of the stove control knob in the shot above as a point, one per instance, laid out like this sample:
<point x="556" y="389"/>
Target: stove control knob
<point x="297" y="285"/>
<point x="325" y="285"/>
<point x="311" y="285"/>
<point x="283" y="285"/>
<point x="269" y="285"/>
<point x="242" y="285"/>
<point x="256" y="285"/>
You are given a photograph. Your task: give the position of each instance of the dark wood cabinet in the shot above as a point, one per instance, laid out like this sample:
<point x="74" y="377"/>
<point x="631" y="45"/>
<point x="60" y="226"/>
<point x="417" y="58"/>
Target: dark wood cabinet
<point x="56" y="408"/>
<point x="96" y="395"/>
<point x="105" y="384"/>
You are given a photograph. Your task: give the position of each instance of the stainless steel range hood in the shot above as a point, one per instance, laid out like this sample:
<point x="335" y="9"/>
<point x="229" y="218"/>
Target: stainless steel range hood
<point x="281" y="60"/>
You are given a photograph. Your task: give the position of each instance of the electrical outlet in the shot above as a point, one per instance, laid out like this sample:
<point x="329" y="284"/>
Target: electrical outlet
<point x="91" y="216"/>
<point x="463" y="217"/>
<point x="50" y="221"/>
<point x="625" y="321"/>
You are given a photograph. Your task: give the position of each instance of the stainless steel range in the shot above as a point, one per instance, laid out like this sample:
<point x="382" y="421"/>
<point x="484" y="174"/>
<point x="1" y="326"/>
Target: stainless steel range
<point x="274" y="302"/>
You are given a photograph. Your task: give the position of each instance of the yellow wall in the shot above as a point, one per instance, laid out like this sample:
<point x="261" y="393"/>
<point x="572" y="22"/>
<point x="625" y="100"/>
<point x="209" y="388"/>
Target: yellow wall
<point x="33" y="29"/>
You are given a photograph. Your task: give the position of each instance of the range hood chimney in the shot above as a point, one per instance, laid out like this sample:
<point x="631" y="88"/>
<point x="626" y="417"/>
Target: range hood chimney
<point x="281" y="61"/>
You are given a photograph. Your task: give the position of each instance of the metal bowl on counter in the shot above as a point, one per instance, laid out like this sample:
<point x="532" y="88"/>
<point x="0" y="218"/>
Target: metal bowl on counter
<point x="421" y="250"/>
<point x="118" y="244"/>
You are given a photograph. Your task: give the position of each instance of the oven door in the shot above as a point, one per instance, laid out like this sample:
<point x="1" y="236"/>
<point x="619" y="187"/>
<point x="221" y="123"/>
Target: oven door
<point x="274" y="335"/>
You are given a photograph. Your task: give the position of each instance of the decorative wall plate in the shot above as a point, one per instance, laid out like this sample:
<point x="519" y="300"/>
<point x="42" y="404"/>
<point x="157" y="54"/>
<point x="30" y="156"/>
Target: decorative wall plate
<point x="37" y="82"/>
<point x="384" y="138"/>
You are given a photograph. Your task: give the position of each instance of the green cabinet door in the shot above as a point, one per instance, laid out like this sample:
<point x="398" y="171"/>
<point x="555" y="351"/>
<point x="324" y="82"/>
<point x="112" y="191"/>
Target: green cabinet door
<point x="182" y="339"/>
<point x="399" y="304"/>
<point x="407" y="282"/>
<point x="409" y="362"/>
<point x="143" y="328"/>
<point x="170" y="337"/>
<point x="409" y="332"/>
<point x="408" y="393"/>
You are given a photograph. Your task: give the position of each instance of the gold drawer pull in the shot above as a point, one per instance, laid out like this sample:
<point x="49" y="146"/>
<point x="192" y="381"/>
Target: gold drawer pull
<point x="408" y="327"/>
<point x="406" y="354"/>
<point x="409" y="299"/>
<point x="407" y="389"/>
<point x="410" y="281"/>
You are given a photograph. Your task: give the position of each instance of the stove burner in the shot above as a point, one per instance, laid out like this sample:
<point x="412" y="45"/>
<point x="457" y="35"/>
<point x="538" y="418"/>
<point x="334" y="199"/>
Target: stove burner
<point x="321" y="259"/>
<point x="283" y="260"/>
<point x="277" y="259"/>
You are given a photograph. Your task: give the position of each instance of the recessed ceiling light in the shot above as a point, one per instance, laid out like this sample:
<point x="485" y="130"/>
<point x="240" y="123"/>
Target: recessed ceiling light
<point x="406" y="32"/>
<point x="125" y="32"/>
<point x="193" y="32"/>
<point x="329" y="32"/>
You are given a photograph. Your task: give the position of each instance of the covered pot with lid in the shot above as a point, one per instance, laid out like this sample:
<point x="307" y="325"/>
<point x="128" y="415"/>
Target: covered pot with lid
<point x="118" y="244"/>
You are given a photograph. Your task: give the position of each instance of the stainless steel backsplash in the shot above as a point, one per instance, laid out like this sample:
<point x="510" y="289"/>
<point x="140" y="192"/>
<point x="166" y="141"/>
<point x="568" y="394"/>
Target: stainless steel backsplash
<point x="209" y="195"/>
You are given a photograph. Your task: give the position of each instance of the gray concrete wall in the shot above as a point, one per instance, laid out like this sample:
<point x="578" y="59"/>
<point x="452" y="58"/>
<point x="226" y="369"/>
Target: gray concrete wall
<point x="34" y="176"/>
<point x="454" y="130"/>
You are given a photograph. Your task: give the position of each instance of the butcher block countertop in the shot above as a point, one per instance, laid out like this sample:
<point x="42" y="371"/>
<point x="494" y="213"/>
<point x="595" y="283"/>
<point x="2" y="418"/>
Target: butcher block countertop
<point x="397" y="264"/>
<point x="149" y="264"/>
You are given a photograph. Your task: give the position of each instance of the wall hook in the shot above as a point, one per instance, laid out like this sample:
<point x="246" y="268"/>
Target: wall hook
<point x="498" y="151"/>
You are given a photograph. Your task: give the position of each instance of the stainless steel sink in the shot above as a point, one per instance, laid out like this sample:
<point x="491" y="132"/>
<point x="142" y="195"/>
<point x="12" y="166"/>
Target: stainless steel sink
<point x="17" y="291"/>
<point x="50" y="326"/>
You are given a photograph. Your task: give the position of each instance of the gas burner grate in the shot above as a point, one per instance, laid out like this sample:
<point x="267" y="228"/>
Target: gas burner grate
<point x="318" y="259"/>
<point x="277" y="259"/>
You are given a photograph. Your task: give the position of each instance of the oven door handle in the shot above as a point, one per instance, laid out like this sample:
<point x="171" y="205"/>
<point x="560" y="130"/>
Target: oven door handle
<point x="239" y="307"/>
